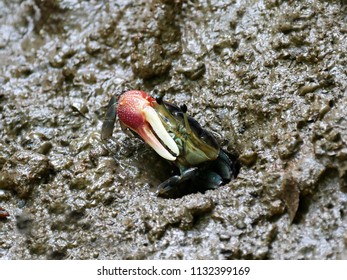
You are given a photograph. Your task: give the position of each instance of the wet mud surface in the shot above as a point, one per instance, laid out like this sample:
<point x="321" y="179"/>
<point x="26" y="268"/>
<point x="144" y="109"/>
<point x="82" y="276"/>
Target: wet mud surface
<point x="268" y="78"/>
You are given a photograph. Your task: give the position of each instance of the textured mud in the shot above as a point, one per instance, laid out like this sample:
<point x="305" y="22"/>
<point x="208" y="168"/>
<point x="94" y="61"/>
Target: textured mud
<point x="268" y="78"/>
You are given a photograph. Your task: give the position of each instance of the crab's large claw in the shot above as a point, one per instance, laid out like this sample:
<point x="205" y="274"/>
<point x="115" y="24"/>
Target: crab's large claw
<point x="135" y="110"/>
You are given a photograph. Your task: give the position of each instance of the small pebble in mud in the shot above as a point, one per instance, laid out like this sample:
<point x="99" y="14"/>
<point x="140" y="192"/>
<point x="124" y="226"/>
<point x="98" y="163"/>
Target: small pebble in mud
<point x="21" y="203"/>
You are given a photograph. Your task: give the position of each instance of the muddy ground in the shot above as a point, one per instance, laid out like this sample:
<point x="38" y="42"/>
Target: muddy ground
<point x="268" y="78"/>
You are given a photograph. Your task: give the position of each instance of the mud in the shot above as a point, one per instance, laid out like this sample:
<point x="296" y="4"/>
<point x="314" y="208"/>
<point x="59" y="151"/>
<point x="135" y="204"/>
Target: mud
<point x="268" y="78"/>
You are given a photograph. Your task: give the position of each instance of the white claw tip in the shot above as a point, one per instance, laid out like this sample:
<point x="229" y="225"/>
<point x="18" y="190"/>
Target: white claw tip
<point x="159" y="129"/>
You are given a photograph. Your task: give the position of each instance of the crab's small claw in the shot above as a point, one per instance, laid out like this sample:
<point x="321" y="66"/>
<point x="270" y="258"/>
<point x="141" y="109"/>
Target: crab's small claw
<point x="108" y="125"/>
<point x="135" y="110"/>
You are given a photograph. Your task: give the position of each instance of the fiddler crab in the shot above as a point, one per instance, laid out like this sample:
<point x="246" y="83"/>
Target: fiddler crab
<point x="176" y="137"/>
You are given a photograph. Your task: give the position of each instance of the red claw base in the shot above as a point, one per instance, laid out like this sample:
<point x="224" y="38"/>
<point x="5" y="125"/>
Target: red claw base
<point x="130" y="106"/>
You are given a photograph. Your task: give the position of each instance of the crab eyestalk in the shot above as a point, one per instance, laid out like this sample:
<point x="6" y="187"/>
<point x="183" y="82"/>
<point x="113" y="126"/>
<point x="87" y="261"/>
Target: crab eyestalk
<point x="135" y="110"/>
